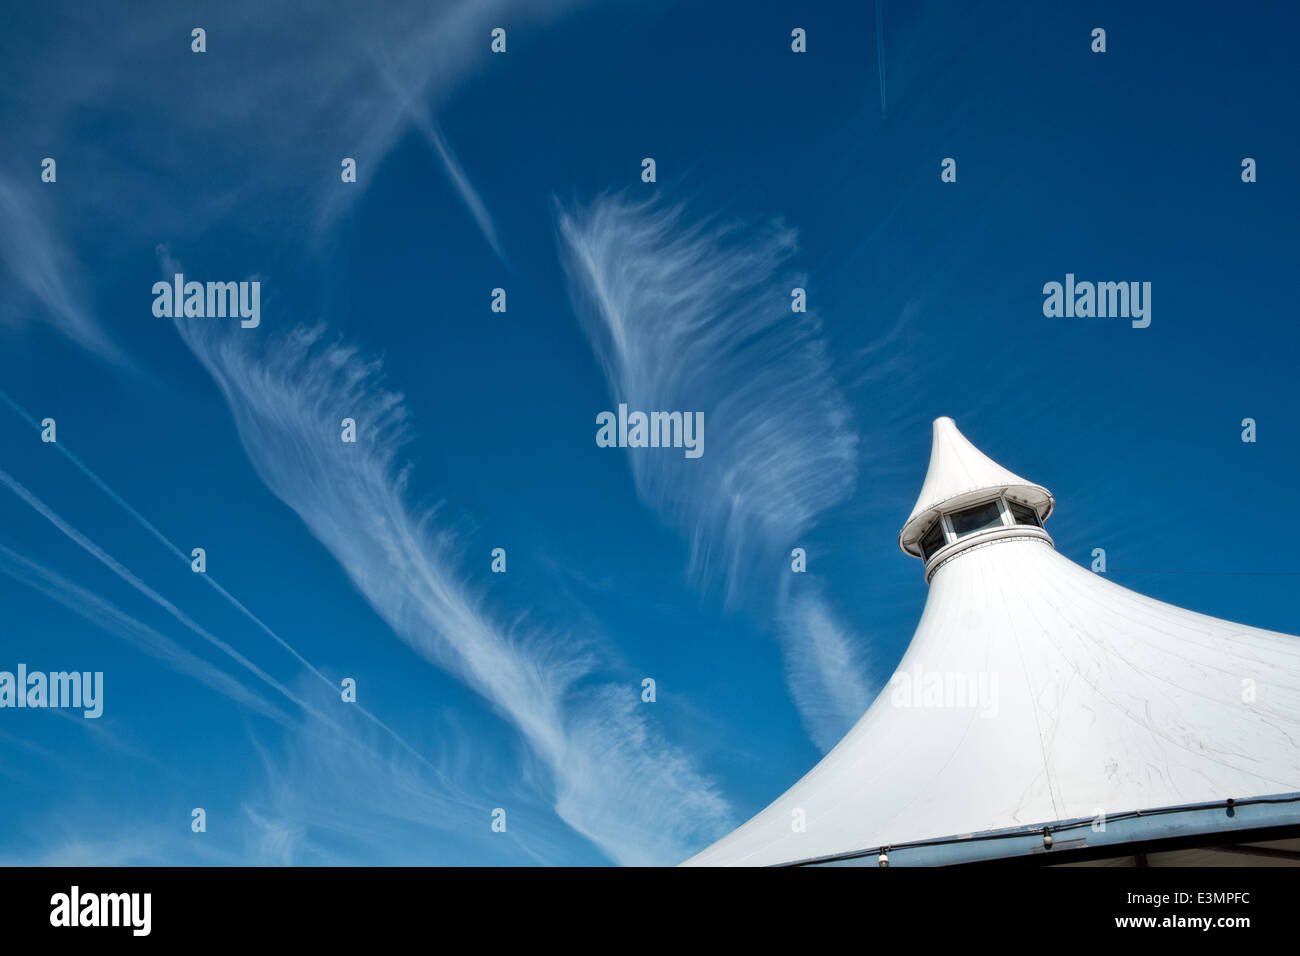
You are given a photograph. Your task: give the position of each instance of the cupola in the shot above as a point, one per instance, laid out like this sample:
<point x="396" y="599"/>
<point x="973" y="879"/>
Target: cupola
<point x="968" y="499"/>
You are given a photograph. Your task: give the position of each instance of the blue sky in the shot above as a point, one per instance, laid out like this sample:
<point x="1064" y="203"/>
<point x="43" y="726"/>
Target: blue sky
<point x="522" y="171"/>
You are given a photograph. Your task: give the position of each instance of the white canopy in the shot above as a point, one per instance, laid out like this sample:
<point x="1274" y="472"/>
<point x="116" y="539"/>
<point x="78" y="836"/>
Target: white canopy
<point x="1035" y="691"/>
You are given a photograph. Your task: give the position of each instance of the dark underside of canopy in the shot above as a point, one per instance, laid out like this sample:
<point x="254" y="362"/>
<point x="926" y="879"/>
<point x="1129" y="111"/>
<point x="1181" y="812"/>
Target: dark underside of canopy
<point x="1277" y="846"/>
<point x="1258" y="831"/>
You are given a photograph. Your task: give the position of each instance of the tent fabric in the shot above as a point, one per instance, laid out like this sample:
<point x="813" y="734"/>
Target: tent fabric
<point x="1035" y="691"/>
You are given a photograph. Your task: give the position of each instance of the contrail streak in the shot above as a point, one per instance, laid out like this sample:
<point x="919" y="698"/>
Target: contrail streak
<point x="126" y="575"/>
<point x="433" y="138"/>
<point x="234" y="601"/>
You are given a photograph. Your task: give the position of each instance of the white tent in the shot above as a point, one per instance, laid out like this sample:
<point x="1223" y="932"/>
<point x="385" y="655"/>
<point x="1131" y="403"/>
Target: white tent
<point x="1034" y="691"/>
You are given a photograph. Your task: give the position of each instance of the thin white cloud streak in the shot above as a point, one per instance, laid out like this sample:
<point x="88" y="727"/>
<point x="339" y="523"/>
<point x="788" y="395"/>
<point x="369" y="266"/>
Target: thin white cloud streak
<point x="126" y="575"/>
<point x="108" y="617"/>
<point x="455" y="172"/>
<point x="208" y="577"/>
<point x="615" y="781"/>
<point x="697" y="317"/>
<point x="343" y="765"/>
<point x="431" y="132"/>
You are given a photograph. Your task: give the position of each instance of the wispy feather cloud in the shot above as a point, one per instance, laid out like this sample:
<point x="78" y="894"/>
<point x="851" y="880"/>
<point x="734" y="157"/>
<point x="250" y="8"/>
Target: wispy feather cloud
<point x="697" y="316"/>
<point x="38" y="263"/>
<point x="824" y="668"/>
<point x="324" y="802"/>
<point x="307" y="83"/>
<point x="615" y="780"/>
<point x="304" y="84"/>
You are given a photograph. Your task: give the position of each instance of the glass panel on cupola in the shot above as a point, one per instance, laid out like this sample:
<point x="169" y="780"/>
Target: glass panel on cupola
<point x="1024" y="515"/>
<point x="933" y="540"/>
<point x="983" y="516"/>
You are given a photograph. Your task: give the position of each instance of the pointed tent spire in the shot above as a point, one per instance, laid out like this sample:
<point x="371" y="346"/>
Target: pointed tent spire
<point x="1034" y="692"/>
<point x="961" y="474"/>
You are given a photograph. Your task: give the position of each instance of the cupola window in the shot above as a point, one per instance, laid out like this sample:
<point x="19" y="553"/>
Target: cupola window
<point x="933" y="540"/>
<point x="1024" y="515"/>
<point x="979" y="518"/>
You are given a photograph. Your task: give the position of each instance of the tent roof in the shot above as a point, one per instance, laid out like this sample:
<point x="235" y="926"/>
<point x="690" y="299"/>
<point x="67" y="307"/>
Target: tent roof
<point x="1034" y="690"/>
